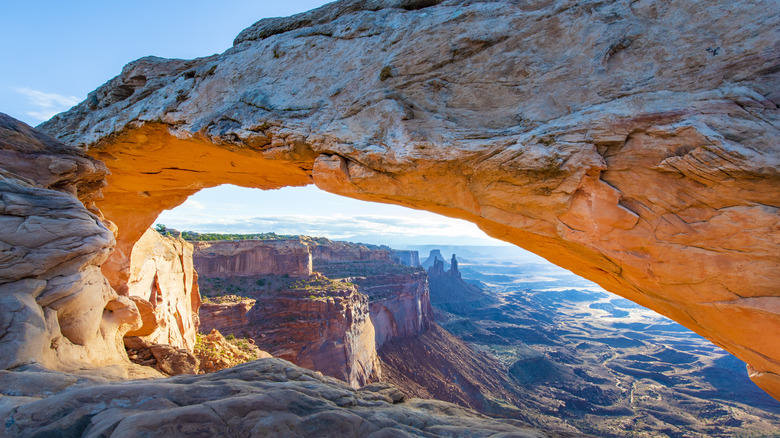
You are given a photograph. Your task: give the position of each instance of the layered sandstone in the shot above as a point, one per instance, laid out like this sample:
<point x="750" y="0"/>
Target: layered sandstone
<point x="164" y="287"/>
<point x="315" y="323"/>
<point x="252" y="257"/>
<point x="348" y="252"/>
<point x="398" y="294"/>
<point x="227" y="317"/>
<point x="400" y="304"/>
<point x="633" y="143"/>
<point x="57" y="308"/>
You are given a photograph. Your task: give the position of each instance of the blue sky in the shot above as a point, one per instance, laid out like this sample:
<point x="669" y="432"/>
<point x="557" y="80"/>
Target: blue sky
<point x="56" y="52"/>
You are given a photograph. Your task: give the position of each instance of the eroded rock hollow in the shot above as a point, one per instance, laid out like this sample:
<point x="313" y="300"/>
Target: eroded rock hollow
<point x="632" y="142"/>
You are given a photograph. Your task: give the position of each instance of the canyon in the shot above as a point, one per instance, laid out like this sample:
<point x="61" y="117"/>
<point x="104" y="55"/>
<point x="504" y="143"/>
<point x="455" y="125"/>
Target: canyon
<point x="572" y="355"/>
<point x="332" y="321"/>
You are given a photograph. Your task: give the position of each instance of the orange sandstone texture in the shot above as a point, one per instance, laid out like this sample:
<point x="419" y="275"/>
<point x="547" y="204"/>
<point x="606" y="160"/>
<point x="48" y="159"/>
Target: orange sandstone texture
<point x="632" y="143"/>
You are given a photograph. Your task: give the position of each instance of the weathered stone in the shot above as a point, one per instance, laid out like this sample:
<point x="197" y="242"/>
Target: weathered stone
<point x="633" y="143"/>
<point x="174" y="361"/>
<point x="163" y="285"/>
<point x="216" y="353"/>
<point x="267" y="397"/>
<point x="167" y="359"/>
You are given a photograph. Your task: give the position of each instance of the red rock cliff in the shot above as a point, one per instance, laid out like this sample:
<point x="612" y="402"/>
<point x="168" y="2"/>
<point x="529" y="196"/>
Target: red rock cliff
<point x="252" y="257"/>
<point x="315" y="323"/>
<point x="400" y="304"/>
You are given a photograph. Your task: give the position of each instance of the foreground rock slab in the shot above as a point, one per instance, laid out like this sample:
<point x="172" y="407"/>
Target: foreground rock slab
<point x="267" y="397"/>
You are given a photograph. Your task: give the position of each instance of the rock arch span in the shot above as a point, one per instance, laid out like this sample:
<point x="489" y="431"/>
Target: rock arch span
<point x="634" y="143"/>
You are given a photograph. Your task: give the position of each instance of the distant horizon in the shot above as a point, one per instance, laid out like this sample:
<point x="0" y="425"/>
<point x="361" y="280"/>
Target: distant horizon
<point x="504" y="251"/>
<point x="309" y="211"/>
<point x="353" y="239"/>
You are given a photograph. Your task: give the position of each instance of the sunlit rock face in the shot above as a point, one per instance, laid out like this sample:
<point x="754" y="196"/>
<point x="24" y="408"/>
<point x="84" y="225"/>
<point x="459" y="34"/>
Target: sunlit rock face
<point x="56" y="308"/>
<point x="347" y="252"/>
<point x="634" y="143"/>
<point x="400" y="304"/>
<point x="253" y="257"/>
<point x="164" y="286"/>
<point x="331" y="332"/>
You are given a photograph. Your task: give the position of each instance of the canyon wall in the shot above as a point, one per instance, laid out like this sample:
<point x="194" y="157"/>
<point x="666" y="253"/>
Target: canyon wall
<point x="252" y="257"/>
<point x="164" y="287"/>
<point x="405" y="257"/>
<point x="632" y="142"/>
<point x="227" y="318"/>
<point x="320" y="324"/>
<point x="345" y="252"/>
<point x="400" y="304"/>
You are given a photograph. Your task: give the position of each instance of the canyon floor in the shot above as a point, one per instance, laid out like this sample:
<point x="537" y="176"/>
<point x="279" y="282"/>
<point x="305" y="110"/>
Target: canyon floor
<point x="582" y="357"/>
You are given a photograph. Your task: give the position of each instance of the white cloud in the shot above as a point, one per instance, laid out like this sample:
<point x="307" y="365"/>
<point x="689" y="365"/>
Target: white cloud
<point x="367" y="227"/>
<point x="193" y="205"/>
<point x="46" y="104"/>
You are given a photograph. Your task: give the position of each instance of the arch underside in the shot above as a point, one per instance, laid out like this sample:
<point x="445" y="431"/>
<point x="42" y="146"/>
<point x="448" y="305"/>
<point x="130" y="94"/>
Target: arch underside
<point x="658" y="181"/>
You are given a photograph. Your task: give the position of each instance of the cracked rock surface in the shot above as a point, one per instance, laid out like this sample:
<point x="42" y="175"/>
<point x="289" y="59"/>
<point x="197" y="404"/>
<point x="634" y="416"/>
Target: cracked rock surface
<point x="632" y="142"/>
<point x="267" y="397"/>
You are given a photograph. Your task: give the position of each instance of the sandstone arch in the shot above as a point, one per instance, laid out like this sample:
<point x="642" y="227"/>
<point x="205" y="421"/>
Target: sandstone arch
<point x="634" y="143"/>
